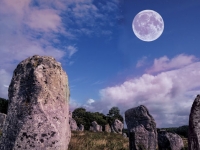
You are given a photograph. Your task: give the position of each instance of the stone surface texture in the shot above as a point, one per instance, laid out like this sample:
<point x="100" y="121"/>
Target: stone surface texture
<point x="2" y="120"/>
<point x="142" y="129"/>
<point x="73" y="124"/>
<point x="107" y="128"/>
<point x="118" y="126"/>
<point x="170" y="141"/>
<point x="194" y="125"/>
<point x="96" y="127"/>
<point x="38" y="113"/>
<point x="81" y="127"/>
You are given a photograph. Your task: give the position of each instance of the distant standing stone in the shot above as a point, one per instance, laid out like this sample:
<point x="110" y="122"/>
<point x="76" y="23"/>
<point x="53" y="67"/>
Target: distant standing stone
<point x="2" y="120"/>
<point x="96" y="127"/>
<point x="170" y="141"/>
<point x="124" y="135"/>
<point x="142" y="129"/>
<point x="118" y="126"/>
<point x="81" y="127"/>
<point x="73" y="124"/>
<point x="38" y="113"/>
<point x="194" y="125"/>
<point x="107" y="128"/>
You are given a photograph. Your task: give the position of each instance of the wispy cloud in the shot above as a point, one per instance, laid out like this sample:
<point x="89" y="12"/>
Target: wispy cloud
<point x="141" y="62"/>
<point x="71" y="50"/>
<point x="164" y="63"/>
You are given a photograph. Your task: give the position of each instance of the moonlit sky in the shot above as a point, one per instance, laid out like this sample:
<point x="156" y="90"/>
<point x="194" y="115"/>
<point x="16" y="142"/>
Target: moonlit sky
<point x="107" y="65"/>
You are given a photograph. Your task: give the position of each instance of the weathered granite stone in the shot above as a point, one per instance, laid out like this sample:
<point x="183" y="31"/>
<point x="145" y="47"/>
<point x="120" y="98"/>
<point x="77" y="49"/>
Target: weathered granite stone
<point x="107" y="128"/>
<point x="96" y="127"/>
<point x="118" y="126"/>
<point x="124" y="135"/>
<point x="2" y="120"/>
<point x="73" y="124"/>
<point x="38" y="113"/>
<point x="194" y="125"/>
<point x="142" y="129"/>
<point x="81" y="127"/>
<point x="91" y="129"/>
<point x="170" y="141"/>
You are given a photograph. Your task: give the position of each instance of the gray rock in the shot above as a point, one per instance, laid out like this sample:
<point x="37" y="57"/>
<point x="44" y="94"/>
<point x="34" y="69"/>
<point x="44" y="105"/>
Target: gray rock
<point x="81" y="127"/>
<point x="96" y="127"/>
<point x="73" y="124"/>
<point x="124" y="135"/>
<point x="2" y="120"/>
<point x="168" y="140"/>
<point x="91" y="129"/>
<point x="107" y="128"/>
<point x="118" y="126"/>
<point x="194" y="125"/>
<point x="142" y="129"/>
<point x="112" y="129"/>
<point x="38" y="112"/>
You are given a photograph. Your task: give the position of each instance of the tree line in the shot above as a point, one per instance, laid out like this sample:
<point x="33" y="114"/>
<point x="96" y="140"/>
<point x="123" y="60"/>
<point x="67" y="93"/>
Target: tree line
<point x="81" y="116"/>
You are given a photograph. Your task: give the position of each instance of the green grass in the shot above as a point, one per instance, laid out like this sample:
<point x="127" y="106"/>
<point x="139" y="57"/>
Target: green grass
<point x="97" y="141"/>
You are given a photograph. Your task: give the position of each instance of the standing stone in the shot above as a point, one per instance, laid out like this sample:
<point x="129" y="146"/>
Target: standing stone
<point x="142" y="129"/>
<point x="81" y="127"/>
<point x="112" y="129"/>
<point x="73" y="124"/>
<point x="118" y="126"/>
<point x="107" y="128"/>
<point x="168" y="140"/>
<point x="96" y="127"/>
<point x="2" y="120"/>
<point x="91" y="129"/>
<point x="194" y="125"/>
<point x="38" y="113"/>
<point x="124" y="135"/>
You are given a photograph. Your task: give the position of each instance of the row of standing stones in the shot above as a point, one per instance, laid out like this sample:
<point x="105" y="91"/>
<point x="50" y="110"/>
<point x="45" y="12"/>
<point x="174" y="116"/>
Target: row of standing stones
<point x="116" y="127"/>
<point x="38" y="114"/>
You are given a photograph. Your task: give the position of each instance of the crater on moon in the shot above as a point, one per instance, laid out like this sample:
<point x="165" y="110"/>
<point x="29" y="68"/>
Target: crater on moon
<point x="148" y="25"/>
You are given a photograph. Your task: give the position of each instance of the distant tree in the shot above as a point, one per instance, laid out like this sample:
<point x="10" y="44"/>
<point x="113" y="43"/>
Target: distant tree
<point x="3" y="105"/>
<point x="114" y="113"/>
<point x="86" y="118"/>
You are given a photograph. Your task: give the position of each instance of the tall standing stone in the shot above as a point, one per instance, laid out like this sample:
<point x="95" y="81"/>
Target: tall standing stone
<point x="194" y="125"/>
<point x="38" y="113"/>
<point x="142" y="129"/>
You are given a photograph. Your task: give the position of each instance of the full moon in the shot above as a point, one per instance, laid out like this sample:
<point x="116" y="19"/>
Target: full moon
<point x="148" y="25"/>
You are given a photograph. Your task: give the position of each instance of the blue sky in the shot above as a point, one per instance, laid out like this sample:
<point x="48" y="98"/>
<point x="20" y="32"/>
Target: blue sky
<point x="107" y="65"/>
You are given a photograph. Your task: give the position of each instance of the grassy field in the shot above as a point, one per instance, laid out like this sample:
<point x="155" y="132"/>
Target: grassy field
<point x="97" y="141"/>
<point x="101" y="141"/>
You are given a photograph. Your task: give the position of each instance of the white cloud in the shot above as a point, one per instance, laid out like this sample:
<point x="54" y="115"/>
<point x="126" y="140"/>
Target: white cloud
<point x="71" y="50"/>
<point x="90" y="101"/>
<point x="164" y="63"/>
<point x="168" y="95"/>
